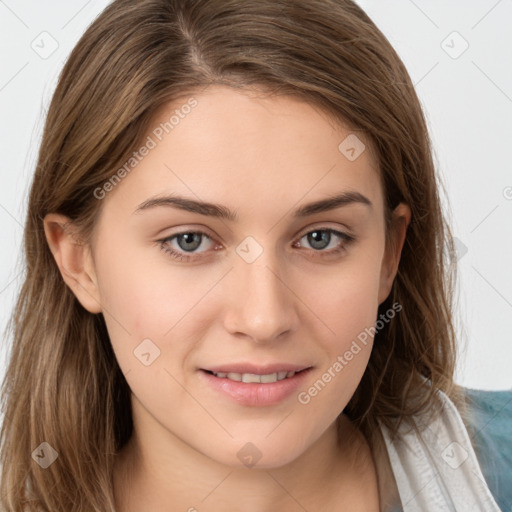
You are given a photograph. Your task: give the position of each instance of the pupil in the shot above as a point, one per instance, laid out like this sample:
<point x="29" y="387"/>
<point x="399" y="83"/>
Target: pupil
<point x="317" y="239"/>
<point x="189" y="238"/>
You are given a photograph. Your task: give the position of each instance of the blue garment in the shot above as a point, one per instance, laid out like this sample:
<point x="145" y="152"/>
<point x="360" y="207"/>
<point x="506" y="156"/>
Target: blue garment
<point x="488" y="421"/>
<point x="489" y="426"/>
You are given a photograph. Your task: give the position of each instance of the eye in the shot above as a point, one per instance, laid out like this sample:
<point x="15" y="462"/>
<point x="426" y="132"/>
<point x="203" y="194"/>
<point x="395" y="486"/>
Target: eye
<point x="183" y="246"/>
<point x="186" y="242"/>
<point x="322" y="238"/>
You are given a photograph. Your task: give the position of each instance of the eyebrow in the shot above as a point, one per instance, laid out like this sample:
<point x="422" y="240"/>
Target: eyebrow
<point x="221" y="212"/>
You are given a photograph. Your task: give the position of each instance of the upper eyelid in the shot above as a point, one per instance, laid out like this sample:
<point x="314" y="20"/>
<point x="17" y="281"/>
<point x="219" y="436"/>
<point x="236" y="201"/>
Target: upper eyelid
<point x="322" y="228"/>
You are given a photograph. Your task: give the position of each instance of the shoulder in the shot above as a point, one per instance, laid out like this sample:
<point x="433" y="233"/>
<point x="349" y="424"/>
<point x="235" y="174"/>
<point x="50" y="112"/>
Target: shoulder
<point x="488" y="420"/>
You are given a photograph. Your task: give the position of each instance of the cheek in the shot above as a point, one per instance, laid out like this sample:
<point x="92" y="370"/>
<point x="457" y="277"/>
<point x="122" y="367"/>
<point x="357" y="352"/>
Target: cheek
<point x="350" y="313"/>
<point x="344" y="298"/>
<point x="145" y="299"/>
<point x="346" y="304"/>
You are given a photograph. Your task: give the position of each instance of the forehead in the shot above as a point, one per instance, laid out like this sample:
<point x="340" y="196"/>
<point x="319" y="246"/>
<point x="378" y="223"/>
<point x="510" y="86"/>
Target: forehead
<point x="241" y="146"/>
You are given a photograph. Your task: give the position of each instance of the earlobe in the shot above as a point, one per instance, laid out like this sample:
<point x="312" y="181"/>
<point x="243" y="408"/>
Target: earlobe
<point x="391" y="260"/>
<point x="73" y="259"/>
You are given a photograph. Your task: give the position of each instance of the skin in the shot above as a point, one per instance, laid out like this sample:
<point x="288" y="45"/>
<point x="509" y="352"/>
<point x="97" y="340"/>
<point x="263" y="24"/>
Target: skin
<point x="292" y="304"/>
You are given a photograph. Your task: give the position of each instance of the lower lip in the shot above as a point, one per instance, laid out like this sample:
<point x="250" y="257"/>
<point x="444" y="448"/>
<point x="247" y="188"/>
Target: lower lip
<point x="253" y="393"/>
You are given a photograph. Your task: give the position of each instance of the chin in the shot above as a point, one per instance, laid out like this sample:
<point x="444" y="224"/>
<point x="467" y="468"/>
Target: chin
<point x="259" y="454"/>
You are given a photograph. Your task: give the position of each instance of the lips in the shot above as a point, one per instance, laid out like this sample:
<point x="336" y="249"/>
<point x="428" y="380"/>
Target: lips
<point x="253" y="385"/>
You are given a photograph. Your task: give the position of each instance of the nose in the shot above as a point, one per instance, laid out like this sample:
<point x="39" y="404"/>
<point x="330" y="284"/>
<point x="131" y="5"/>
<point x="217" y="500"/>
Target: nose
<point x="261" y="305"/>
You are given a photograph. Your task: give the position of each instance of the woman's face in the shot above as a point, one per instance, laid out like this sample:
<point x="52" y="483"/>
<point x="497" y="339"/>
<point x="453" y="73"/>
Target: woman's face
<point x="264" y="288"/>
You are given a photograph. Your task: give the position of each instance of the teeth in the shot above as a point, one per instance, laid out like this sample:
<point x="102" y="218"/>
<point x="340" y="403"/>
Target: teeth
<point x="251" y="377"/>
<point x="271" y="377"/>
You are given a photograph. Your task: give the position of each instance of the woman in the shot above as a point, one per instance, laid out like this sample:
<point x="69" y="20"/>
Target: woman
<point x="299" y="355"/>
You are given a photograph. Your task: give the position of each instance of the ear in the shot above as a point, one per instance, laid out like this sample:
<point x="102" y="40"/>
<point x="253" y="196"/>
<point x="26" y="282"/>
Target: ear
<point x="74" y="260"/>
<point x="401" y="218"/>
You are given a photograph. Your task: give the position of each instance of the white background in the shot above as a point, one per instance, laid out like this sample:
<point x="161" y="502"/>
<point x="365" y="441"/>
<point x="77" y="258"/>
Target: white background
<point x="467" y="101"/>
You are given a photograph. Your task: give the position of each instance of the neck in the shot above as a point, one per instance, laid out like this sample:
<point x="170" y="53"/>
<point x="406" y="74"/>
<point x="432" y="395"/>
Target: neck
<point x="152" y="472"/>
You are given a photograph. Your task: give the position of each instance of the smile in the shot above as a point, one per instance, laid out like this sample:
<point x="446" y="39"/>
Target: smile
<point x="252" y="377"/>
<point x="256" y="389"/>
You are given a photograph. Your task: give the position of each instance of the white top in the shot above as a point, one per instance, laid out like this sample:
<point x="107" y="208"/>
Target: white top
<point x="438" y="471"/>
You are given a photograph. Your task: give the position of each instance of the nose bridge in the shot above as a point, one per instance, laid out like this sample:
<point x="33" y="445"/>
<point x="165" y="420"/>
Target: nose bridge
<point x="262" y="306"/>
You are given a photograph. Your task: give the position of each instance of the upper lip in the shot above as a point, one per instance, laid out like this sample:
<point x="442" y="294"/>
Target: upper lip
<point x="255" y="369"/>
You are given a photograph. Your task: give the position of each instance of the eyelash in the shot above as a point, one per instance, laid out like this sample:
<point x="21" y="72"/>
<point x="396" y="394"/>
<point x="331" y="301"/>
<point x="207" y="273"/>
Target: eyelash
<point x="164" y="243"/>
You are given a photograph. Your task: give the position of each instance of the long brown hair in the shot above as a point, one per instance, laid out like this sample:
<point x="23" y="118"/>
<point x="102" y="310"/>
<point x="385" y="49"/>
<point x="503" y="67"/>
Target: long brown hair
<point x="63" y="385"/>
